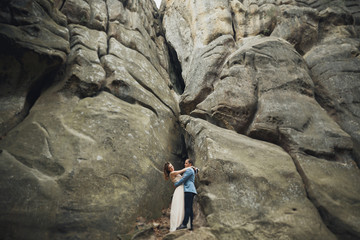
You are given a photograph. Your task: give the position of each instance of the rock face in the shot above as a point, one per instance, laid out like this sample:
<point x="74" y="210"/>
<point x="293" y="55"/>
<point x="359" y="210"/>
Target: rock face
<point x="35" y="43"/>
<point x="91" y="95"/>
<point x="274" y="71"/>
<point x="250" y="189"/>
<point x="87" y="159"/>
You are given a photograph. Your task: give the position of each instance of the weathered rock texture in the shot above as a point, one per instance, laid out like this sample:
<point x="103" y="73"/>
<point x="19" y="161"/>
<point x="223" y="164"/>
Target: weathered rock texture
<point x="281" y="71"/>
<point x="250" y="189"/>
<point x="90" y="97"/>
<point x="86" y="159"/>
<point x="34" y="43"/>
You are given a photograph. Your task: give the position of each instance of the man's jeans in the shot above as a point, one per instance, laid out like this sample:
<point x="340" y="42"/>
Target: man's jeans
<point x="189" y="199"/>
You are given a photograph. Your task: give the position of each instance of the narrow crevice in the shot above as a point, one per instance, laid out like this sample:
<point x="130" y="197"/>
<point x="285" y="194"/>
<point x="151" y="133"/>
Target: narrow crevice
<point x="62" y="5"/>
<point x="302" y="175"/>
<point x="40" y="86"/>
<point x="285" y="143"/>
<point x="184" y="149"/>
<point x="356" y="152"/>
<point x="327" y="156"/>
<point x="125" y="3"/>
<point x="330" y="221"/>
<point x="108" y="19"/>
<point x="131" y="100"/>
<point x="175" y="71"/>
<point x="33" y="94"/>
<point x="326" y="217"/>
<point x="233" y="25"/>
<point x="254" y="112"/>
<point x="303" y="3"/>
<point x="306" y="182"/>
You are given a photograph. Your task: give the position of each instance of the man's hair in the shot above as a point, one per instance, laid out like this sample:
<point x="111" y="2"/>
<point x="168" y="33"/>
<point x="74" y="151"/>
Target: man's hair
<point x="190" y="161"/>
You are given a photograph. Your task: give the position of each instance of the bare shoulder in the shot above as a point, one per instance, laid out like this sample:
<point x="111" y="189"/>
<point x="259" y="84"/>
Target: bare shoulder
<point x="172" y="175"/>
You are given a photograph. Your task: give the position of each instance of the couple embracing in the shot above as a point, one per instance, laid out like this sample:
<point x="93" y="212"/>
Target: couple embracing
<point x="182" y="201"/>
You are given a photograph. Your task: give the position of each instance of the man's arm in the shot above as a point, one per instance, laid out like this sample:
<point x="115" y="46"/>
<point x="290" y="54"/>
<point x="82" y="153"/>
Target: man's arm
<point x="187" y="174"/>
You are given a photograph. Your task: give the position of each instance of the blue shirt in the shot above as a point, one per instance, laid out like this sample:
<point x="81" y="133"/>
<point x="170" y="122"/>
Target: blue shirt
<point x="189" y="181"/>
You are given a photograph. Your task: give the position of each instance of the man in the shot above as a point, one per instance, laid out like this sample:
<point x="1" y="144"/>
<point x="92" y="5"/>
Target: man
<point x="190" y="191"/>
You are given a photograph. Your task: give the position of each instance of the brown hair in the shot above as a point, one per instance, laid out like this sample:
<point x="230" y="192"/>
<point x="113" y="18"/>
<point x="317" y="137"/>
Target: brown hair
<point x="190" y="161"/>
<point x="166" y="171"/>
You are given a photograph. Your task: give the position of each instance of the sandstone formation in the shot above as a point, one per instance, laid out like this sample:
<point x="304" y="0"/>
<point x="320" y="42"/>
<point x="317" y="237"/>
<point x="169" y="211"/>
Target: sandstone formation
<point x="95" y="95"/>
<point x="250" y="189"/>
<point x="86" y="159"/>
<point x="273" y="70"/>
<point x="35" y="43"/>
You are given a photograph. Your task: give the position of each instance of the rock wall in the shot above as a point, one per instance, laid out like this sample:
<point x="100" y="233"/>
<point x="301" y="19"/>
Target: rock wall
<point x="91" y="95"/>
<point x="88" y="118"/>
<point x="285" y="72"/>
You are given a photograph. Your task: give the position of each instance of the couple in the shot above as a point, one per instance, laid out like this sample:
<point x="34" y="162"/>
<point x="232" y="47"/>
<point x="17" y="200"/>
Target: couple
<point x="184" y="192"/>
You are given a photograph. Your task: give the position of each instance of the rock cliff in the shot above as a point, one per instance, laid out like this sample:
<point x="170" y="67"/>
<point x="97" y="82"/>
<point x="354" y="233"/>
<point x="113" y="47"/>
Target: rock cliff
<point x="96" y="95"/>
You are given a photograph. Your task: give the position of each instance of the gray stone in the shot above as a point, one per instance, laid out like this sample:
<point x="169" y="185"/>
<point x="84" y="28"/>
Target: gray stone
<point x="250" y="189"/>
<point x="84" y="72"/>
<point x="90" y="109"/>
<point x="99" y="153"/>
<point x="263" y="87"/>
<point x="90" y="13"/>
<point x="31" y="52"/>
<point x="333" y="188"/>
<point x="87" y="159"/>
<point x="334" y="65"/>
<point x="202" y="233"/>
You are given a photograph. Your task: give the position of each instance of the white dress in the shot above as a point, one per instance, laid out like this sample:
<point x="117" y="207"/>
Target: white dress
<point x="177" y="211"/>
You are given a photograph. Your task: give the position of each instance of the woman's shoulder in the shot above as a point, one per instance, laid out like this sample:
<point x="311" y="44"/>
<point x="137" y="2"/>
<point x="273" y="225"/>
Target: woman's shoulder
<point x="172" y="175"/>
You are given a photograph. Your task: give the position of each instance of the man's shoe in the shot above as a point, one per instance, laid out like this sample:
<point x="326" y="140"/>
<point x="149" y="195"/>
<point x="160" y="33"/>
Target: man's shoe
<point x="182" y="226"/>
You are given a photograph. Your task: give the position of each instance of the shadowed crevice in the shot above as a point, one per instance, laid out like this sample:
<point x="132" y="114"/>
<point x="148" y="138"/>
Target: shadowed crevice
<point x="131" y="100"/>
<point x="175" y="71"/>
<point x="62" y="5"/>
<point x="33" y="90"/>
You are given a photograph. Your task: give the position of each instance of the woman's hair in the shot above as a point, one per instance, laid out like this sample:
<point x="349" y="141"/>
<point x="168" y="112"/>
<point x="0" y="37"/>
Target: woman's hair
<point x="166" y="171"/>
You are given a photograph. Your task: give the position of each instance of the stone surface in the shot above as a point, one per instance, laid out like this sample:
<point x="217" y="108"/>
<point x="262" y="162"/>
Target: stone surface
<point x="281" y="79"/>
<point x="201" y="234"/>
<point x="250" y="189"/>
<point x="91" y="92"/>
<point x="103" y="156"/>
<point x="34" y="41"/>
<point x="86" y="160"/>
<point x="335" y="65"/>
<point x="333" y="187"/>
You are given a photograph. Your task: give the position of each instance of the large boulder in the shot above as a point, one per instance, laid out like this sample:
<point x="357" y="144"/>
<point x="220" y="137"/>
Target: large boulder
<point x="250" y="189"/>
<point x="100" y="158"/>
<point x="87" y="159"/>
<point x="260" y="71"/>
<point x="90" y="104"/>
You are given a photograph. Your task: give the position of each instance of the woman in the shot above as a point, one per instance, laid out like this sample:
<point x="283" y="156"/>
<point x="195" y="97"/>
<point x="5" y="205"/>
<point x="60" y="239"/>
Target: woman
<point x="177" y="204"/>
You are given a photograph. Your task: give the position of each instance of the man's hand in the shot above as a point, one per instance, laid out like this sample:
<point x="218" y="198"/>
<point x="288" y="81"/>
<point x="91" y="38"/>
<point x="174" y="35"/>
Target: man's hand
<point x="196" y="169"/>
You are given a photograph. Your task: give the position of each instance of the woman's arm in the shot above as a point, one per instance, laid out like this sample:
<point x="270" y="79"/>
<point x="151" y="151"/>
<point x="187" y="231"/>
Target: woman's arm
<point x="179" y="171"/>
<point x="184" y="178"/>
